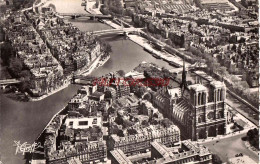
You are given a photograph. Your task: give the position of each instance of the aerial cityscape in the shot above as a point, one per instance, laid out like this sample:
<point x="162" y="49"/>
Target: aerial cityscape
<point x="129" y="81"/>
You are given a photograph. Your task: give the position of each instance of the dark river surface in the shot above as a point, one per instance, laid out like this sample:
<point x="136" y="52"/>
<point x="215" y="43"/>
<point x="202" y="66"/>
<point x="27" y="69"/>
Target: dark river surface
<point x="24" y="121"/>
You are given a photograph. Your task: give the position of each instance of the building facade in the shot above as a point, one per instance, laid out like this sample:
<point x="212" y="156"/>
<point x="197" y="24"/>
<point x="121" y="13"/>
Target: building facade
<point x="203" y="112"/>
<point x="186" y="153"/>
<point x="141" y="142"/>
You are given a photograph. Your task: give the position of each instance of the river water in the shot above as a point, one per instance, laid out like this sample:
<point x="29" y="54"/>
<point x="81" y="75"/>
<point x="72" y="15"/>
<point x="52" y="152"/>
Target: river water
<point x="24" y="121"/>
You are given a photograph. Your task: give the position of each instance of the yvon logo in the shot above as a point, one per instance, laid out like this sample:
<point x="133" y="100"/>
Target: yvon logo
<point x="25" y="147"/>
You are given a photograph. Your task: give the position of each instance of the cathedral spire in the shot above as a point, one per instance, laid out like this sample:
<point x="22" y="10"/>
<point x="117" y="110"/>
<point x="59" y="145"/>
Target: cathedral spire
<point x="183" y="85"/>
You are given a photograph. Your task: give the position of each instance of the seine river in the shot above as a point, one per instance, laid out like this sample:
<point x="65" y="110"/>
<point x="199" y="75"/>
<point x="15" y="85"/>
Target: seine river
<point x="24" y="121"/>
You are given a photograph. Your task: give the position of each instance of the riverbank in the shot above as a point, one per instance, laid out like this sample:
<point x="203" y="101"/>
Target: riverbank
<point x="51" y="121"/>
<point x="111" y="24"/>
<point x="50" y="93"/>
<point x="103" y="61"/>
<point x="96" y="64"/>
<point x="24" y="121"/>
<point x="92" y="67"/>
<point x="171" y="59"/>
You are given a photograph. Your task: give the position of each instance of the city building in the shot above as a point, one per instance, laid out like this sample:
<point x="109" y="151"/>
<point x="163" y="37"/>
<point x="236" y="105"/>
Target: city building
<point x="83" y="123"/>
<point x="141" y="142"/>
<point x="86" y="152"/>
<point x="118" y="157"/>
<point x="186" y="152"/>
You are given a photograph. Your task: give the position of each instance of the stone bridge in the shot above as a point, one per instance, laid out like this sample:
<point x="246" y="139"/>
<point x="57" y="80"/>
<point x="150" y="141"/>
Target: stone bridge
<point x="6" y="82"/>
<point x="91" y="16"/>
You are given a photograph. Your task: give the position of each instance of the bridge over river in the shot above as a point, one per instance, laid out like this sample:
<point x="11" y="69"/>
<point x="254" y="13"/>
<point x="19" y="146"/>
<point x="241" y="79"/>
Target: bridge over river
<point x="4" y="83"/>
<point x="91" y="16"/>
<point x="125" y="31"/>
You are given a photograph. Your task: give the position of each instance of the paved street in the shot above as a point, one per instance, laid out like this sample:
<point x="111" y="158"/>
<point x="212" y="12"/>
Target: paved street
<point x="229" y="147"/>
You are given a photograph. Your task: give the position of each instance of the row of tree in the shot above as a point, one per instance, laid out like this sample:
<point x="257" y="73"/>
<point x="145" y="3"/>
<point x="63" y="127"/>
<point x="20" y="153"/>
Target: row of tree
<point x="214" y="67"/>
<point x="15" y="66"/>
<point x="114" y="6"/>
<point x="252" y="137"/>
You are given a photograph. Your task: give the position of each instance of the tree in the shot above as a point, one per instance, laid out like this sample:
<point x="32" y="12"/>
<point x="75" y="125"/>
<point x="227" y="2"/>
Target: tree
<point x="233" y="39"/>
<point x="25" y="86"/>
<point x="234" y="47"/>
<point x="166" y="123"/>
<point x="169" y="42"/>
<point x="223" y="71"/>
<point x="15" y="66"/>
<point x="52" y="6"/>
<point x="97" y="3"/>
<point x="154" y="122"/>
<point x="127" y="123"/>
<point x="253" y="137"/>
<point x="108" y="94"/>
<point x="131" y="131"/>
<point x="147" y="97"/>
<point x="6" y="52"/>
<point x="120" y="133"/>
<point x="216" y="159"/>
<point x="25" y="75"/>
<point x="116" y="6"/>
<point x="242" y="40"/>
<point x="119" y="120"/>
<point x="107" y="47"/>
<point x="145" y="123"/>
<point x="244" y="84"/>
<point x="234" y="79"/>
<point x="121" y="73"/>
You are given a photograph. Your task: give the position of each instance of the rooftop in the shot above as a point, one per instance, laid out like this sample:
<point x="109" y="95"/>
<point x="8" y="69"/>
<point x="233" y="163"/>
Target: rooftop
<point x="198" y="87"/>
<point x="119" y="155"/>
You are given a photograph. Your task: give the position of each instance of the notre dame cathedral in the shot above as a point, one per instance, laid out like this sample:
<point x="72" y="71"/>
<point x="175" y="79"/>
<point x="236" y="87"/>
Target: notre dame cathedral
<point x="201" y="111"/>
